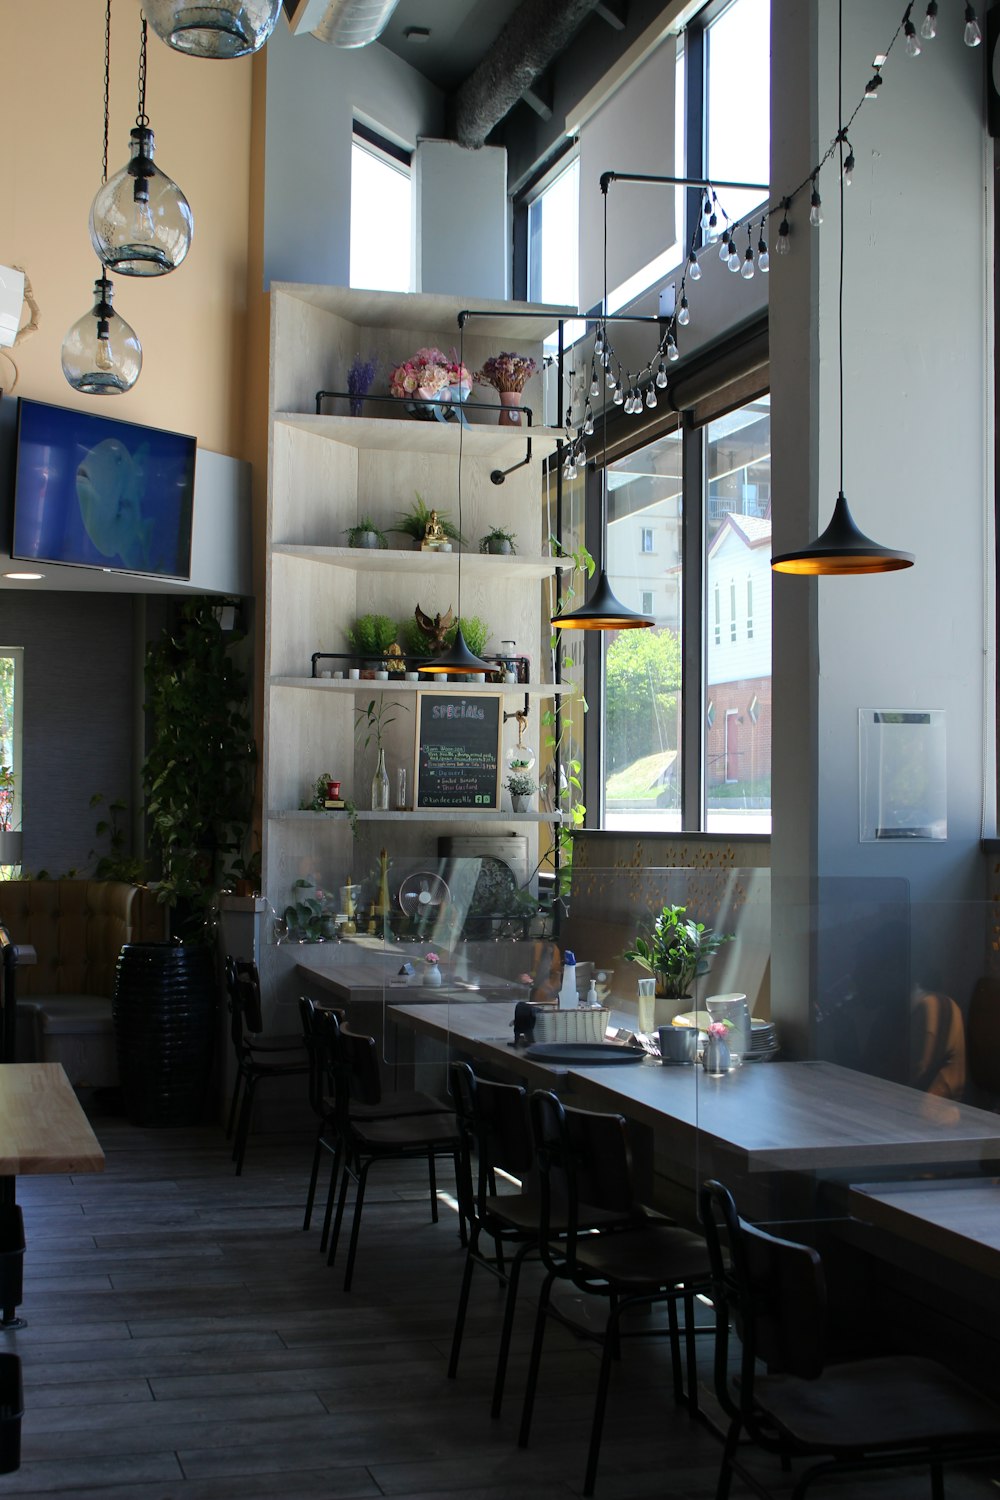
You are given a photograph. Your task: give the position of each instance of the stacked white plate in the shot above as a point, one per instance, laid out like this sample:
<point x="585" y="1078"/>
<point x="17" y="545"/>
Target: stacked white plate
<point x="763" y="1041"/>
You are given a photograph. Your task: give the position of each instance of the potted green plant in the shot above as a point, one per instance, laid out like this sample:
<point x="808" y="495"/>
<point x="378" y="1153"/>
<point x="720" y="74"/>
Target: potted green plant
<point x="198" y="775"/>
<point x="522" y="788"/>
<point x="371" y="636"/>
<point x="476" y="632"/>
<point x="498" y="541"/>
<point x="413" y="522"/>
<point x="366" y="534"/>
<point x="677" y="949"/>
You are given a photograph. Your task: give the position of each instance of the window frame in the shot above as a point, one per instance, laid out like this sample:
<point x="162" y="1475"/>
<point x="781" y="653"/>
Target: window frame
<point x="399" y="158"/>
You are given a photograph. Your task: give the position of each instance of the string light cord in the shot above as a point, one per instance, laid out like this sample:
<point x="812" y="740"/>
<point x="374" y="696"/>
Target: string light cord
<point x="628" y="393"/>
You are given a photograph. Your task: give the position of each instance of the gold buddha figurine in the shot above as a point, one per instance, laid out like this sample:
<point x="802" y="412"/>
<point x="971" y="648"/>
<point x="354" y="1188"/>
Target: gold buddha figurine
<point x="434" y="537"/>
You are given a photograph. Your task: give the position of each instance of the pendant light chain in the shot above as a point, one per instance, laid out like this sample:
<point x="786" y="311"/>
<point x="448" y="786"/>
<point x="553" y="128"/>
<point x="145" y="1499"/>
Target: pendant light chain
<point x="142" y="119"/>
<point x="107" y="87"/>
<point x="841" y="137"/>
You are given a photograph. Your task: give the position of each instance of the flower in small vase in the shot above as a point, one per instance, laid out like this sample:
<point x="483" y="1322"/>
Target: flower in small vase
<point x="718" y="1029"/>
<point x="360" y="375"/>
<point x="431" y="958"/>
<point x="507" y="372"/>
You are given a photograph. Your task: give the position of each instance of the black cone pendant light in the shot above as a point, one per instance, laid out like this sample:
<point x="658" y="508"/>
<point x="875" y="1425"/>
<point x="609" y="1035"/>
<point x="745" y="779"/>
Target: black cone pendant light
<point x="842" y="548"/>
<point x="603" y="609"/>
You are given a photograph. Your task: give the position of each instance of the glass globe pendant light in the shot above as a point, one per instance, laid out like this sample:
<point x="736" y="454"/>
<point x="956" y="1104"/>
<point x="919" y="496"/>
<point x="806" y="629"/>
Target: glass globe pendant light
<point x="101" y="354"/>
<point x="213" y="28"/>
<point x="140" y="221"/>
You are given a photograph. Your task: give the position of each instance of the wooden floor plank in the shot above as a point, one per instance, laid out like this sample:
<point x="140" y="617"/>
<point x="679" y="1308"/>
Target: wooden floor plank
<point x="186" y="1341"/>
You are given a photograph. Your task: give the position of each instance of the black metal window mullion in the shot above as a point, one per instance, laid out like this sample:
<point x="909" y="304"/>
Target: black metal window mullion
<point x="693" y="629"/>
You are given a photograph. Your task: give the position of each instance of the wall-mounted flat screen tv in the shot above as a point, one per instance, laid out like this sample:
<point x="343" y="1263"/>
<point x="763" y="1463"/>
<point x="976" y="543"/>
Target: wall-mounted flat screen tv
<point x="93" y="492"/>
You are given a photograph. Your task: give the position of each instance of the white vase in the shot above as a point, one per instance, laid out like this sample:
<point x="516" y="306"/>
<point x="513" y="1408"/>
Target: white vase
<point x="432" y="977"/>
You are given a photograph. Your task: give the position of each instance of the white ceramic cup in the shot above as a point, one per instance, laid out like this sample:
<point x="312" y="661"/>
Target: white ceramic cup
<point x="354" y="674"/>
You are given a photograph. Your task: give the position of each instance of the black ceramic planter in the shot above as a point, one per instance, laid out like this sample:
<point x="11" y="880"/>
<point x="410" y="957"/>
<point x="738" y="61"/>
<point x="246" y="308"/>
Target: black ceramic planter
<point x="164" y="1014"/>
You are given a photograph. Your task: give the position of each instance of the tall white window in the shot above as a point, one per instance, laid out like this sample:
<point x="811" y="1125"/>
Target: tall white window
<point x="553" y="240"/>
<point x="381" y="215"/>
<point x="11" y="693"/>
<point x="738" y="71"/>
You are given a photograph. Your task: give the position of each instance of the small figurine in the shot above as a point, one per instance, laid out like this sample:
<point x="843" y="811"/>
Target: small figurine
<point x="394" y="659"/>
<point x="436" y="629"/>
<point x="434" y="537"/>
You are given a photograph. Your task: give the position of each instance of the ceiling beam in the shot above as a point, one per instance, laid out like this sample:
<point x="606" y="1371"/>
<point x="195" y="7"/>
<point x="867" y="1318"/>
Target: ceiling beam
<point x="535" y="34"/>
<point x="615" y="12"/>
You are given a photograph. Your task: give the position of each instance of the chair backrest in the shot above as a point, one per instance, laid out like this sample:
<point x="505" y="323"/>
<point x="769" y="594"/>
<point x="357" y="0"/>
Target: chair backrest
<point x="243" y="989"/>
<point x="357" y="1070"/>
<point x="584" y="1164"/>
<point x="320" y="1032"/>
<point x="773" y="1288"/>
<point x="494" y="1118"/>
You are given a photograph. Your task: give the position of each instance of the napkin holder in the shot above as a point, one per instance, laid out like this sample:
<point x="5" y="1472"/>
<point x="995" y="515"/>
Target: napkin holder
<point x="553" y="1025"/>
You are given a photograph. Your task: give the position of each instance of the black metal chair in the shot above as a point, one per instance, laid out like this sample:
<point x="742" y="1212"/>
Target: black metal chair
<point x="371" y="1137"/>
<point x="584" y="1165"/>
<point x="869" y="1414"/>
<point x="255" y="1060"/>
<point x="321" y="1030"/>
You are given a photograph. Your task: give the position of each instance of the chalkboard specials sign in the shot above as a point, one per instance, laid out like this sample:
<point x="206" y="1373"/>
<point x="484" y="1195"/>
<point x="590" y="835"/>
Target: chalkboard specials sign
<point x="458" y="749"/>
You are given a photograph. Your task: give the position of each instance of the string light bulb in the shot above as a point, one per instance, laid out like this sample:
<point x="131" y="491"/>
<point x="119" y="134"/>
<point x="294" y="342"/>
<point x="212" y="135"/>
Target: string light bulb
<point x="661" y="376"/>
<point x="673" y="352"/>
<point x="928" y="26"/>
<point x="873" y="85"/>
<point x="651" y="396"/>
<point x="972" y="36"/>
<point x="849" y="165"/>
<point x="684" y="312"/>
<point x="782" y="245"/>
<point x="763" y="259"/>
<point x="724" y="248"/>
<point x="694" y="269"/>
<point x="913" y="48"/>
<point x="815" y="207"/>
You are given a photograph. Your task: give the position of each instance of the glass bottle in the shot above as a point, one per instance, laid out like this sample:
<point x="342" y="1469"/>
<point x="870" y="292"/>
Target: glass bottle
<point x="380" y="785"/>
<point x="401" y="789"/>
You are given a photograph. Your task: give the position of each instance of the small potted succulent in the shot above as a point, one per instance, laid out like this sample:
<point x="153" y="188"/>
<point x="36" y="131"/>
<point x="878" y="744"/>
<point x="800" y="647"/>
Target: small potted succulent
<point x="499" y="541"/>
<point x="522" y="788"/>
<point x="366" y="534"/>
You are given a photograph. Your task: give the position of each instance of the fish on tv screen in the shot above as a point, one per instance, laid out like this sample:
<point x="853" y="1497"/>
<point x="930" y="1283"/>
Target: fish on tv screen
<point x="96" y="493"/>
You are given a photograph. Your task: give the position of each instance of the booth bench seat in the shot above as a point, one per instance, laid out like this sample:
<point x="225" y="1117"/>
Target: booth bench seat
<point x="77" y="928"/>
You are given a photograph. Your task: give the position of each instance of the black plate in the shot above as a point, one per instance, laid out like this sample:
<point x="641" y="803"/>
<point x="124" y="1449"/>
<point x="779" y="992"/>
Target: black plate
<point x="584" y="1054"/>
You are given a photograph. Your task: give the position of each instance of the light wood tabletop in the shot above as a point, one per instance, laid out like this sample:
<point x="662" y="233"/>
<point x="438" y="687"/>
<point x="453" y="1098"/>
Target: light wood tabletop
<point x="42" y="1127"/>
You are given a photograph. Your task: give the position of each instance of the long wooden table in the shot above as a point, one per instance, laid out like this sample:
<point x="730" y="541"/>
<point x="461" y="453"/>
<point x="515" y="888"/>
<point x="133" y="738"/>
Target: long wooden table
<point x="42" y="1127"/>
<point x="774" y="1116"/>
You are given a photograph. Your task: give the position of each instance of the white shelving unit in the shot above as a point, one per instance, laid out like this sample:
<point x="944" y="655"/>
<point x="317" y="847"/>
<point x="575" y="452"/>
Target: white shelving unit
<point x="325" y="472"/>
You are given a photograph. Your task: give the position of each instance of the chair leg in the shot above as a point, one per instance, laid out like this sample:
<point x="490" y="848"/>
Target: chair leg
<point x="338" y="1162"/>
<point x="235" y="1101"/>
<point x="243" y="1128"/>
<point x="432" y="1179"/>
<point x="675" y="1351"/>
<point x="510" y="1303"/>
<point x="541" y="1317"/>
<point x="463" y="1304"/>
<point x="359" y="1199"/>
<point x="728" y="1454"/>
<point x="692" y="1357"/>
<point x="608" y="1352"/>
<point x="313" y="1176"/>
<point x="345" y="1176"/>
<point x="463" y="1227"/>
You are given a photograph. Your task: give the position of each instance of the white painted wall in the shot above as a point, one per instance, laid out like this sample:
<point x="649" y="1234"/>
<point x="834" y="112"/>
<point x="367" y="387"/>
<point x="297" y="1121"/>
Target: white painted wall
<point x="314" y="93"/>
<point x="733" y="562"/>
<point x="918" y="436"/>
<point x="462" y="242"/>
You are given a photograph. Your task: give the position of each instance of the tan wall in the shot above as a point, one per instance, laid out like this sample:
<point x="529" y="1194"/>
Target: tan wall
<point x="192" y="323"/>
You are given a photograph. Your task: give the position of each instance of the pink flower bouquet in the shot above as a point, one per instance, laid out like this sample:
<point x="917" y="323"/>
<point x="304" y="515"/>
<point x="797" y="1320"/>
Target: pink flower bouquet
<point x="430" y="375"/>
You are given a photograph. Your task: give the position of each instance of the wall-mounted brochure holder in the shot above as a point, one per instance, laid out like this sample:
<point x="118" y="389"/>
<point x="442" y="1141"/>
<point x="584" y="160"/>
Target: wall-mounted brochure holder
<point x="903" y="774"/>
